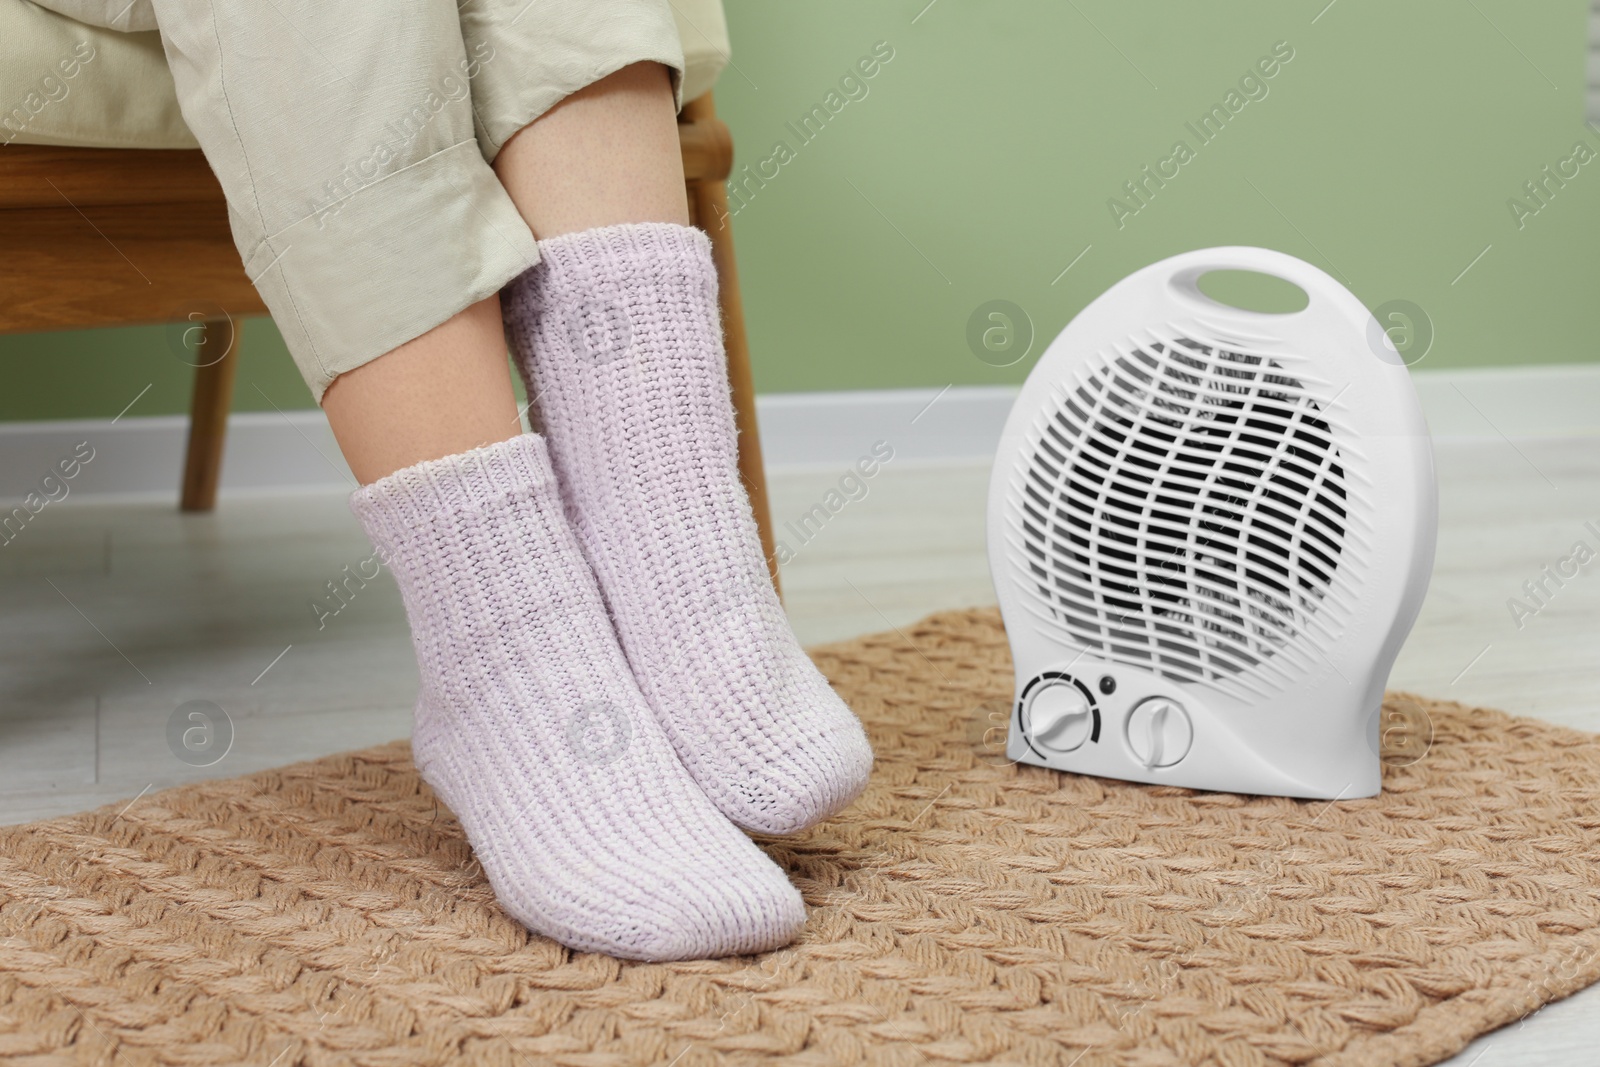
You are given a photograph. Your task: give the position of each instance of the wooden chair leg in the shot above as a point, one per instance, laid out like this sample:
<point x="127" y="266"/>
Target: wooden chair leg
<point x="208" y="414"/>
<point x="708" y="207"/>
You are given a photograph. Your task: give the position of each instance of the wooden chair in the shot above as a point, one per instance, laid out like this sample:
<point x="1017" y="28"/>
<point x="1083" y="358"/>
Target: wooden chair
<point x="117" y="237"/>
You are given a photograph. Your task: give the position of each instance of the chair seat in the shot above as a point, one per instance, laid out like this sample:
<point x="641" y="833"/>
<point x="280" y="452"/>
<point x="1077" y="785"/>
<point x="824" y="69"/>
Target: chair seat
<point x="63" y="82"/>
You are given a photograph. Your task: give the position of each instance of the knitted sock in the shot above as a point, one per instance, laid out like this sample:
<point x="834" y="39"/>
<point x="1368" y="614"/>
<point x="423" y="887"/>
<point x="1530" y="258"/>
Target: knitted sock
<point x="618" y="335"/>
<point x="533" y="731"/>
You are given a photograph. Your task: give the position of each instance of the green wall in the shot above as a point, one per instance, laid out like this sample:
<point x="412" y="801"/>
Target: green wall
<point x="980" y="162"/>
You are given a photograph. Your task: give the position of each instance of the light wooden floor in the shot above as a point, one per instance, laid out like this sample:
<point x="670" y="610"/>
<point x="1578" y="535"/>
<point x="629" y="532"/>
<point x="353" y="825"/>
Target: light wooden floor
<point x="113" y="616"/>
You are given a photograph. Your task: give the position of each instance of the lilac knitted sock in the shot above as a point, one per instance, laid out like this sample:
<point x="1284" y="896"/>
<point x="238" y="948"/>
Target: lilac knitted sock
<point x="618" y="335"/>
<point x="531" y="728"/>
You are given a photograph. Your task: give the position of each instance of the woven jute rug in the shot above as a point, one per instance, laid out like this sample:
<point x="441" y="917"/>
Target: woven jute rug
<point x="964" y="910"/>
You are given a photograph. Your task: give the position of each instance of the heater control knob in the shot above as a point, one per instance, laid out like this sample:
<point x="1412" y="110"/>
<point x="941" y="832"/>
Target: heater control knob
<point x="1159" y="732"/>
<point x="1058" y="717"/>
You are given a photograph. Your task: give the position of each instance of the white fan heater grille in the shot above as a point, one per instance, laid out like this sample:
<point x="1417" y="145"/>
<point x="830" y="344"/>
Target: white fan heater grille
<point x="1184" y="511"/>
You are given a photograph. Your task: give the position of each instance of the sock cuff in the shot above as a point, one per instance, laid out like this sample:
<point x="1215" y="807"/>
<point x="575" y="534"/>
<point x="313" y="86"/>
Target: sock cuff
<point x="461" y="483"/>
<point x="627" y="248"/>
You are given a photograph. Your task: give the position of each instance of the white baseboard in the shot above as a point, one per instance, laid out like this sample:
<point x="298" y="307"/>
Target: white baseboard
<point x="268" y="452"/>
<point x="1497" y="402"/>
<point x="960" y="422"/>
<point x="142" y="458"/>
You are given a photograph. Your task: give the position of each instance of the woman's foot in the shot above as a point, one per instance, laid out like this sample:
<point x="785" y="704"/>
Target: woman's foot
<point x="531" y="728"/>
<point x="618" y="334"/>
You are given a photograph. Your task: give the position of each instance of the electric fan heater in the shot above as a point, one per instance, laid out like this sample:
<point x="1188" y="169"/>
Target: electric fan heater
<point x="1210" y="531"/>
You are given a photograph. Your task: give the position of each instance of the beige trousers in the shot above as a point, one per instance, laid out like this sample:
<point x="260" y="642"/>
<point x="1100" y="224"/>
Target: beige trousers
<point x="353" y="141"/>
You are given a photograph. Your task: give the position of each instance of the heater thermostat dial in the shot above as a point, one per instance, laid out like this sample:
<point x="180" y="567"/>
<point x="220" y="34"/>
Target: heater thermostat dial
<point x="1058" y="716"/>
<point x="1159" y="732"/>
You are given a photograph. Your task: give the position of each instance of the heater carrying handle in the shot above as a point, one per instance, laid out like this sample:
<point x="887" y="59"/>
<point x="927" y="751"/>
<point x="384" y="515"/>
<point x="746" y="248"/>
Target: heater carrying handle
<point x="1183" y="273"/>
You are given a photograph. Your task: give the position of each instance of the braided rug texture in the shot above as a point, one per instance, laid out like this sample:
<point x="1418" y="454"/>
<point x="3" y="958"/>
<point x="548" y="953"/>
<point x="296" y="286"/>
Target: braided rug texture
<point x="964" y="910"/>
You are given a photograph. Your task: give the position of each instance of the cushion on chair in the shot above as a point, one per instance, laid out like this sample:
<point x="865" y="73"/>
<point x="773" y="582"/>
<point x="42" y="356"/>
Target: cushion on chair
<point x="64" y="82"/>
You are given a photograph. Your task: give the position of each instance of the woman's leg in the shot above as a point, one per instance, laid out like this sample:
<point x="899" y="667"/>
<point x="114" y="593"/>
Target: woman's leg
<point x="618" y="334"/>
<point x="444" y="392"/>
<point x="606" y="154"/>
<point x="345" y="139"/>
<point x="404" y="421"/>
